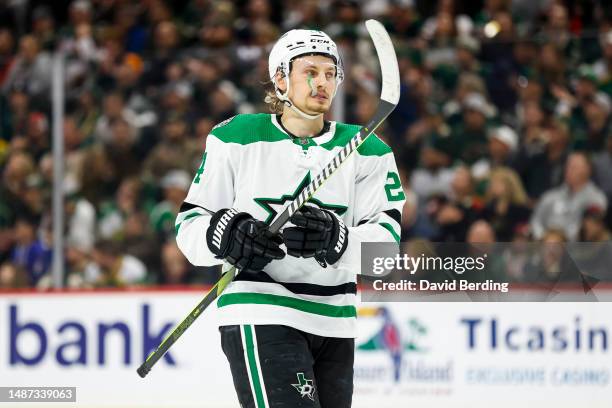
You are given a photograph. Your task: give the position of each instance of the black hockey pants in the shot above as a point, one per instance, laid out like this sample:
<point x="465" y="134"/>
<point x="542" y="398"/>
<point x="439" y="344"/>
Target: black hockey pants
<point x="277" y="366"/>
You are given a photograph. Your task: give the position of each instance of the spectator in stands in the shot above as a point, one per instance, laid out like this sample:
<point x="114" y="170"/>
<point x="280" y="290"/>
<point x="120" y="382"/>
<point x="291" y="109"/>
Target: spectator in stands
<point x="37" y="139"/>
<point x="43" y="27"/>
<point x="481" y="239"/>
<point x="175" y="185"/>
<point x="467" y="84"/>
<point x="602" y="167"/>
<point x="81" y="51"/>
<point x="18" y="168"/>
<point x="440" y="50"/>
<point x="36" y="196"/>
<point x="158" y="11"/>
<point x="73" y="151"/>
<point x="113" y="267"/>
<point x="563" y="206"/>
<point x="516" y="254"/>
<point x="99" y="177"/>
<point x="498" y="51"/>
<point x="503" y="142"/>
<point x="176" y="150"/>
<point x="603" y="67"/>
<point x="30" y="71"/>
<point x="552" y="70"/>
<point x="114" y="213"/>
<point x="107" y="163"/>
<point x="6" y="53"/>
<point x="592" y="138"/>
<point x="543" y="170"/>
<point x="434" y="176"/>
<point x="31" y="252"/>
<point x="413" y="118"/>
<point x="469" y="137"/>
<point x="586" y="103"/>
<point x="593" y="227"/>
<point x="114" y="108"/>
<point x="163" y="52"/>
<point x="454" y="214"/>
<point x="556" y="31"/>
<point x="551" y="263"/>
<point x="80" y="12"/>
<point x="139" y="240"/>
<point x="78" y="262"/>
<point x="80" y="216"/>
<point x="594" y="256"/>
<point x="502" y="145"/>
<point x="444" y="21"/>
<point x="12" y="277"/>
<point x="524" y="64"/>
<point x="16" y="114"/>
<point x="7" y="237"/>
<point x="176" y="270"/>
<point x="533" y="137"/>
<point x="86" y="114"/>
<point x="468" y="48"/>
<point x="505" y="203"/>
<point x="480" y="232"/>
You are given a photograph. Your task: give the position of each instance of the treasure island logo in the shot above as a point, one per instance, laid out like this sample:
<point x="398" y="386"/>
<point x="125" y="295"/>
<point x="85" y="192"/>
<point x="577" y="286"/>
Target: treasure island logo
<point x="405" y="347"/>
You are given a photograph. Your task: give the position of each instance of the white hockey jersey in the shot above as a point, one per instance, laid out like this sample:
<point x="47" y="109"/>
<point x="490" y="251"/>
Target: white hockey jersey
<point x="252" y="164"/>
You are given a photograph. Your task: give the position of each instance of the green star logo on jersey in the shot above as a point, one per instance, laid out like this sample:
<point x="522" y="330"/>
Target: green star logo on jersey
<point x="275" y="205"/>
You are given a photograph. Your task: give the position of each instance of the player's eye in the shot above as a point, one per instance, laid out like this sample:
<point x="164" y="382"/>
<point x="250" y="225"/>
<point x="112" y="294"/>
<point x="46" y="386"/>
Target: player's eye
<point x="329" y="75"/>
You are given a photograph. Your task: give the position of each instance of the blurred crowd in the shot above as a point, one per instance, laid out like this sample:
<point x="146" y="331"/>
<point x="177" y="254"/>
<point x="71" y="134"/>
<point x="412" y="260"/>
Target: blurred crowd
<point x="503" y="131"/>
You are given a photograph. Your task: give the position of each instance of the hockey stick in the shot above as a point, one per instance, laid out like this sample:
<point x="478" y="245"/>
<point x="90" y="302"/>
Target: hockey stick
<point x="389" y="98"/>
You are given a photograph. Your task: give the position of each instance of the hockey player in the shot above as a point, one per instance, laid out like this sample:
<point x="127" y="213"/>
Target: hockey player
<point x="287" y="321"/>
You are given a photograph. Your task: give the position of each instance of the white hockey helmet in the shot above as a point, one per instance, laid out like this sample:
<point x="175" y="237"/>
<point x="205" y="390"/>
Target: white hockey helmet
<point x="294" y="43"/>
<point x="299" y="42"/>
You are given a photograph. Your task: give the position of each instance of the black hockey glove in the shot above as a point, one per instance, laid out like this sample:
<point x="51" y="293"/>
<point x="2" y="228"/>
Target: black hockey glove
<point x="242" y="240"/>
<point x="317" y="233"/>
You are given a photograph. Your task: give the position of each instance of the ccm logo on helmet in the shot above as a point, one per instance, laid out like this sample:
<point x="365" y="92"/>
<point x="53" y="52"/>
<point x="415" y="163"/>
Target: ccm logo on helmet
<point x="220" y="228"/>
<point x="314" y="40"/>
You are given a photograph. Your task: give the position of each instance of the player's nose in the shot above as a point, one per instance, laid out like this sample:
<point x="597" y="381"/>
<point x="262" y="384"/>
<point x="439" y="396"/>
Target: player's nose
<point x="322" y="78"/>
<point x="322" y="82"/>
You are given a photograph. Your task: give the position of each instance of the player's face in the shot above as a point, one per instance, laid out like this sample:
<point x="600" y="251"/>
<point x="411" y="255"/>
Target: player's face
<point x="313" y="72"/>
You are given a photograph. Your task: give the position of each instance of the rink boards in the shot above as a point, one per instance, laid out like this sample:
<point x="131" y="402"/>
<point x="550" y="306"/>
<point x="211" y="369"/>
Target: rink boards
<point x="428" y="354"/>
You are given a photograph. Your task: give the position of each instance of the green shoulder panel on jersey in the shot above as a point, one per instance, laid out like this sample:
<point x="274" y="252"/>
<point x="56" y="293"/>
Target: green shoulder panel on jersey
<point x="245" y="129"/>
<point x="373" y="146"/>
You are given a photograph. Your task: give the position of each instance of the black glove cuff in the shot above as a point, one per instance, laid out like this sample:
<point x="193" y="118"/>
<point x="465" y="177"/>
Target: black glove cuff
<point x="219" y="231"/>
<point x="339" y="241"/>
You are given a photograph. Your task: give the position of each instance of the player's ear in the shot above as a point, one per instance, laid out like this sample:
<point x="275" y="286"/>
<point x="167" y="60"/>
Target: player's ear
<point x="281" y="84"/>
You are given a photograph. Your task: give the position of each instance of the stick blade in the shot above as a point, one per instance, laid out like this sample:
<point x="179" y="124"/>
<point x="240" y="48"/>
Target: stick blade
<point x="388" y="61"/>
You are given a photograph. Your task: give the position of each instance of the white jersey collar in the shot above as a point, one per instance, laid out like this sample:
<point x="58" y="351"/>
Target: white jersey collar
<point x="319" y="140"/>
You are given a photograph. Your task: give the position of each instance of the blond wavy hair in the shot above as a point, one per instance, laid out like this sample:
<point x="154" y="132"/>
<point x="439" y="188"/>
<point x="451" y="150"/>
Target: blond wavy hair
<point x="275" y="105"/>
<point x="515" y="192"/>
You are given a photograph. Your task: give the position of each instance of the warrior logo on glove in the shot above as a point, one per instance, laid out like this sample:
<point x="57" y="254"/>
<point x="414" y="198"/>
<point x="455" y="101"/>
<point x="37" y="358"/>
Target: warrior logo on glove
<point x="242" y="240"/>
<point x="317" y="233"/>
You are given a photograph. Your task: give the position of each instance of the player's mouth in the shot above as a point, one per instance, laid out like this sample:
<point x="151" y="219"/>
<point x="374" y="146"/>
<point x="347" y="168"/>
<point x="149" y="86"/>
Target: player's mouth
<point x="320" y="97"/>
